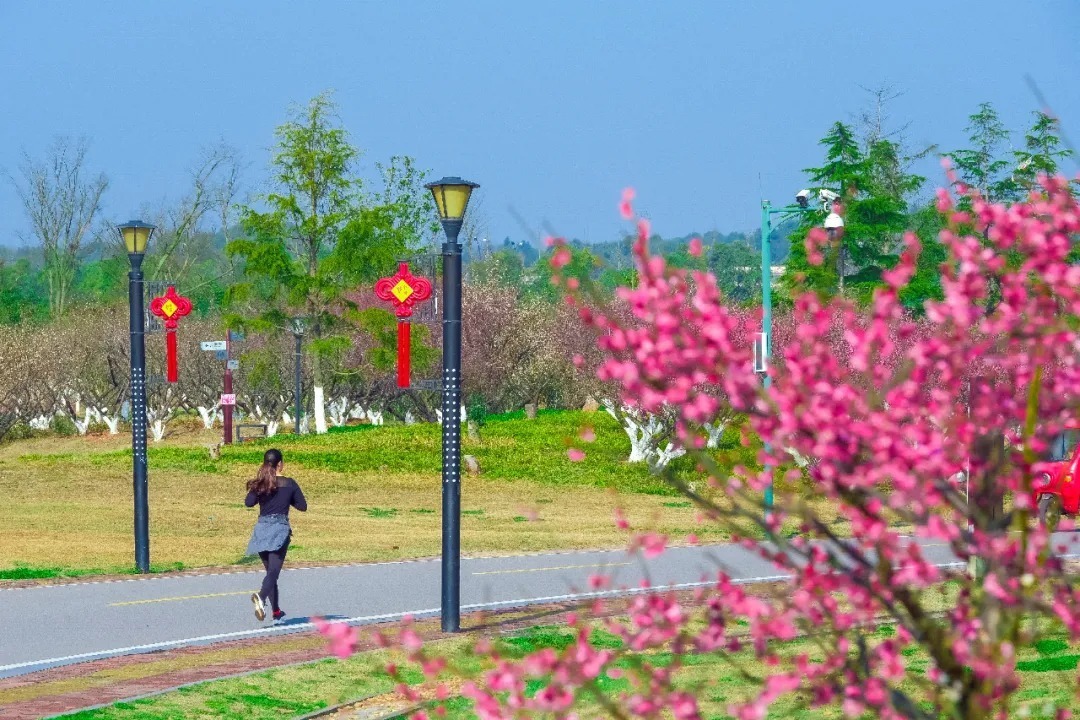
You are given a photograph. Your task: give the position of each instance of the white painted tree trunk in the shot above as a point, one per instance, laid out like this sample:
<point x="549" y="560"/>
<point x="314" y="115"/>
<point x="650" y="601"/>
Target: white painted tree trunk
<point x="82" y="425"/>
<point x="661" y="458"/>
<point x="41" y="422"/>
<point x="357" y="413"/>
<point x="305" y="424"/>
<point x="714" y="432"/>
<point x="338" y="410"/>
<point x="375" y="416"/>
<point x="271" y="428"/>
<point x="208" y="415"/>
<point x="319" y="402"/>
<point x="642" y="429"/>
<point x="112" y="422"/>
<point x="157" y="430"/>
<point x="800" y="460"/>
<point x="410" y="419"/>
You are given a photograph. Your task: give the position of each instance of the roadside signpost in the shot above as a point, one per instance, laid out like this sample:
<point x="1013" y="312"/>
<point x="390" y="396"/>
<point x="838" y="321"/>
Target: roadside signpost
<point x="221" y="350"/>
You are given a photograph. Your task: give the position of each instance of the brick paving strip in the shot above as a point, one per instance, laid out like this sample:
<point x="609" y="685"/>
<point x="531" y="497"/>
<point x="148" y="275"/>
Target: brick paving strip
<point x="103" y="682"/>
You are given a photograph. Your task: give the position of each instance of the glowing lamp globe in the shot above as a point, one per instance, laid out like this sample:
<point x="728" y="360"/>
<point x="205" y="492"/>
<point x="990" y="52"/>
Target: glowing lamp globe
<point x="136" y="235"/>
<point x="451" y="197"/>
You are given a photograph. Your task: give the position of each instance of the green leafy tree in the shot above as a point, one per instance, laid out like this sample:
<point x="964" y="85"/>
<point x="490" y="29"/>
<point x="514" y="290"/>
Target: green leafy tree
<point x="583" y="265"/>
<point x="103" y="281"/>
<point x="876" y="218"/>
<point x="874" y="186"/>
<point x="681" y="258"/>
<point x="317" y="239"/>
<point x="413" y="208"/>
<point x="611" y="278"/>
<point x="925" y="284"/>
<point x="982" y="165"/>
<point x="381" y="326"/>
<point x="843" y="171"/>
<point x="1042" y="153"/>
<point x="503" y="268"/>
<point x="737" y="268"/>
<point x="23" y="296"/>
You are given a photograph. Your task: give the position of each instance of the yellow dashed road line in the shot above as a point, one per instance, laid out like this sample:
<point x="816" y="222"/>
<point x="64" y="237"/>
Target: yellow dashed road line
<point x="178" y="599"/>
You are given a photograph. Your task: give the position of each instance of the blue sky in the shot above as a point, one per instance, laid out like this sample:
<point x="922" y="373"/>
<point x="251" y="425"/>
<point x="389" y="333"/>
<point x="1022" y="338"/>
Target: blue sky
<point x="704" y="106"/>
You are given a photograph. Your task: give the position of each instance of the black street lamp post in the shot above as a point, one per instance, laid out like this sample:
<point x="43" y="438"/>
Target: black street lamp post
<point x="298" y="327"/>
<point x="451" y="198"/>
<point x="136" y="234"/>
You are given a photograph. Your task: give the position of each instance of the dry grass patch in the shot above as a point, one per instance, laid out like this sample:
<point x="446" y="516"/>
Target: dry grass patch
<point x="69" y="500"/>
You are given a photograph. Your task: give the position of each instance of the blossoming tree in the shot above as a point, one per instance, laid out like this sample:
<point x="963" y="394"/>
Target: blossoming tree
<point x="978" y="386"/>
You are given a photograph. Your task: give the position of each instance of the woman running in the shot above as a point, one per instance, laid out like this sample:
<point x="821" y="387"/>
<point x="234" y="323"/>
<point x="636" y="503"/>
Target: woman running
<point x="270" y="538"/>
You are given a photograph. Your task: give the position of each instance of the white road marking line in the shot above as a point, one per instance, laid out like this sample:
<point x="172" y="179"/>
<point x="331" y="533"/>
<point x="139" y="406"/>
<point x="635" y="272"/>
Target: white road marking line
<point x="368" y="619"/>
<point x="545" y="569"/>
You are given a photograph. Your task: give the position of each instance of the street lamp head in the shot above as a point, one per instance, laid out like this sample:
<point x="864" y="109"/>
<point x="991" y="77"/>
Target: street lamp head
<point x="136" y="234"/>
<point x="451" y="197"/>
<point x="298" y="326"/>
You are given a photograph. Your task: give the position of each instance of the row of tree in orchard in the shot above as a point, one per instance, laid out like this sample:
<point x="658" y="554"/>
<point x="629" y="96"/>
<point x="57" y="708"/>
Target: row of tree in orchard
<point x="324" y="231"/>
<point x="71" y="375"/>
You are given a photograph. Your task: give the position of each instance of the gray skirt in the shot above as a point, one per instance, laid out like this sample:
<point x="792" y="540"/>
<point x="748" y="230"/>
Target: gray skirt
<point x="270" y="534"/>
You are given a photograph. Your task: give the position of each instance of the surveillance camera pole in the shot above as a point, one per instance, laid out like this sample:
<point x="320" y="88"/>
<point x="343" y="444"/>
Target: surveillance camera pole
<point x="767" y="211"/>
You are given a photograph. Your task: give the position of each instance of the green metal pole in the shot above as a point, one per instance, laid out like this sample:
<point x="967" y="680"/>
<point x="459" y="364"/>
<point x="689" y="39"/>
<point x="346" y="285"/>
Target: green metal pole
<point x="766" y="321"/>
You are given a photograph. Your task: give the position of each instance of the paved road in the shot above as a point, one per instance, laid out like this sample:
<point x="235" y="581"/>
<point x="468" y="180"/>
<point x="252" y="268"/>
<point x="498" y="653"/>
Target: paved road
<point x="48" y="626"/>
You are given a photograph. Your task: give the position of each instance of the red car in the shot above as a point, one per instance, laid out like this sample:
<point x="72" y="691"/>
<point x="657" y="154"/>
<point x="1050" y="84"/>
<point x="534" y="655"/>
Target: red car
<point x="1056" y="486"/>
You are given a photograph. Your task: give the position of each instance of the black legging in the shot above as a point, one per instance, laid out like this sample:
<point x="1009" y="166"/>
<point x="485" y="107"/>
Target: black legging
<point x="272" y="561"/>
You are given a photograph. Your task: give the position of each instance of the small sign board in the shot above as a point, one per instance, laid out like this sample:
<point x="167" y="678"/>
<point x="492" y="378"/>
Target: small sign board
<point x="236" y="336"/>
<point x="761" y="353"/>
<point x="232" y="365"/>
<point x="213" y="345"/>
<point x="228" y="399"/>
<point x="221" y="354"/>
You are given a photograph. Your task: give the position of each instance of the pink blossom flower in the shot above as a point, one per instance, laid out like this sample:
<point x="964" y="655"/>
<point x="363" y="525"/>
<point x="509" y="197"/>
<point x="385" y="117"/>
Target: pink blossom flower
<point x="342" y="638"/>
<point x="575" y="454"/>
<point x="626" y="208"/>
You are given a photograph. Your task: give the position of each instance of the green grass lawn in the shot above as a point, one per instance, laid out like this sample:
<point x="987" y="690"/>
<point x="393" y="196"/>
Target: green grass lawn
<point x="373" y="491"/>
<point x="1048" y="672"/>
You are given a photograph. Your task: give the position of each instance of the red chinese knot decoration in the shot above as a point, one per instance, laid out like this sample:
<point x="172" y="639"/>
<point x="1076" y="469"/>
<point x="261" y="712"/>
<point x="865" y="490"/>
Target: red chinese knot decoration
<point x="403" y="290"/>
<point x="170" y="307"/>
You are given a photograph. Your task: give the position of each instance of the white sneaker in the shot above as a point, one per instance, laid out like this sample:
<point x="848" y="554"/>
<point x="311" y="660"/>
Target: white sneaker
<point x="260" y="607"/>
